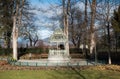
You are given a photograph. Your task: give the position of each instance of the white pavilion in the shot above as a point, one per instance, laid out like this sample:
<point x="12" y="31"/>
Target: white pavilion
<point x="57" y="51"/>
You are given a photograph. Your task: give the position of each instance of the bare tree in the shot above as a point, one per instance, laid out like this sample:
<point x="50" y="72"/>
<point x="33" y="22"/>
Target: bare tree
<point x="76" y="27"/>
<point x="103" y="16"/>
<point x="92" y="27"/>
<point x="17" y="15"/>
<point x="108" y="31"/>
<point x="32" y="37"/>
<point x="85" y="28"/>
<point x="66" y="11"/>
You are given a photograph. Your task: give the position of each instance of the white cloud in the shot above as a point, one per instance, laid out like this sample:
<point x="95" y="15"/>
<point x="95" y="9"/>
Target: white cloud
<point x="45" y="33"/>
<point x="44" y="12"/>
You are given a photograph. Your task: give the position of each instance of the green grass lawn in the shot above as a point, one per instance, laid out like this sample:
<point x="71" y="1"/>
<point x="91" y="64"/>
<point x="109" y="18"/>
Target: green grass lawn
<point x="59" y="74"/>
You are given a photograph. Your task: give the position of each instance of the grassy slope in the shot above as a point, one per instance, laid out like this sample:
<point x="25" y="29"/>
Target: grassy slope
<point x="59" y="74"/>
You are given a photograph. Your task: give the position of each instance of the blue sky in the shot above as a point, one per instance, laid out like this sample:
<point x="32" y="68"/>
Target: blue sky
<point x="45" y="2"/>
<point x="43" y="17"/>
<point x="43" y="22"/>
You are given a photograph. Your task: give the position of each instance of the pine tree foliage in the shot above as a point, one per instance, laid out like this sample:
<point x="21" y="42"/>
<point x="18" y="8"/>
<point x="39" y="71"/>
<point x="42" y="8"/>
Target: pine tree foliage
<point x="6" y="21"/>
<point x="115" y="21"/>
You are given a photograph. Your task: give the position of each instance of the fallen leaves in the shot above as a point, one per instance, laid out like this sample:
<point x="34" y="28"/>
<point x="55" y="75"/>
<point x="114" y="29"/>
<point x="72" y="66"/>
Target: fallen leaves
<point x="106" y="67"/>
<point x="5" y="66"/>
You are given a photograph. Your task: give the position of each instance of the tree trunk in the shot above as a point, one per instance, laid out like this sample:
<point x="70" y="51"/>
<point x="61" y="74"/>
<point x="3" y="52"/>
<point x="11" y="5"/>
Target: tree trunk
<point x="35" y="40"/>
<point x="92" y="36"/>
<point x="16" y="23"/>
<point x="85" y="30"/>
<point x="108" y="31"/>
<point x="66" y="32"/>
<point x="14" y="37"/>
<point x="92" y="44"/>
<point x="30" y="39"/>
<point x="116" y="41"/>
<point x="109" y="44"/>
<point x="66" y="23"/>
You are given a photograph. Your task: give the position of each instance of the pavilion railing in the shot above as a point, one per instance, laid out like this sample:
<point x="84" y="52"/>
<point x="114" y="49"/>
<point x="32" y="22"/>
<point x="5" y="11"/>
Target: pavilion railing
<point x="46" y="63"/>
<point x="57" y="52"/>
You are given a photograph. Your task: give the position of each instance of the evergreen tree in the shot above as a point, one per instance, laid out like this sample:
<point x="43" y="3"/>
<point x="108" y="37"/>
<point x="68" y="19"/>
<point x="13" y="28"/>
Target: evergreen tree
<point x="115" y="22"/>
<point x="6" y="21"/>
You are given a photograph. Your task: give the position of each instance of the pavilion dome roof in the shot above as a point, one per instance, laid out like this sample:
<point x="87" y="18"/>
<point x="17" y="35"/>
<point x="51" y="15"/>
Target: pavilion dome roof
<point x="58" y="36"/>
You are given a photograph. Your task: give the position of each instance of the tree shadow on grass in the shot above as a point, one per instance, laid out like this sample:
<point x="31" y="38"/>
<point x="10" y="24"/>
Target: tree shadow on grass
<point x="71" y="73"/>
<point x="77" y="72"/>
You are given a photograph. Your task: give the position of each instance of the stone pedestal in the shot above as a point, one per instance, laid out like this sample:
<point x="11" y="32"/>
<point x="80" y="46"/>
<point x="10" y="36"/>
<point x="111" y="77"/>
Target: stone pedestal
<point x="57" y="56"/>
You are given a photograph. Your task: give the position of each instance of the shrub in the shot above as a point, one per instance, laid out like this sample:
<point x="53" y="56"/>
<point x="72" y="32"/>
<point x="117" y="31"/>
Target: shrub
<point x="75" y="50"/>
<point x="5" y="51"/>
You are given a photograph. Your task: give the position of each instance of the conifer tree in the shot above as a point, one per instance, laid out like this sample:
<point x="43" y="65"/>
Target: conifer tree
<point x="115" y="22"/>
